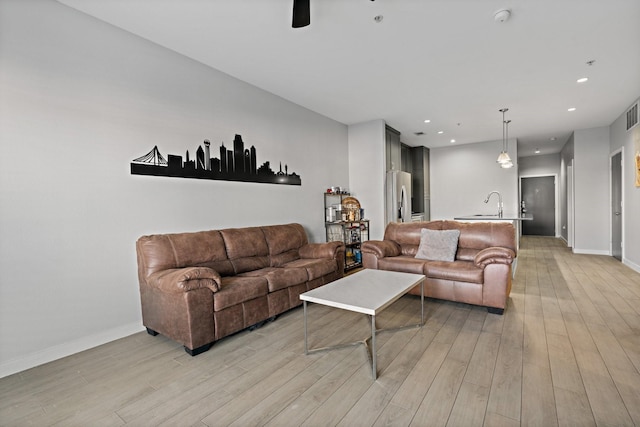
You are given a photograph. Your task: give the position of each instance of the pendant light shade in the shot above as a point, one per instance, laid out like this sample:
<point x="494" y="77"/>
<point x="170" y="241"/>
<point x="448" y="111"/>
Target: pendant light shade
<point x="503" y="158"/>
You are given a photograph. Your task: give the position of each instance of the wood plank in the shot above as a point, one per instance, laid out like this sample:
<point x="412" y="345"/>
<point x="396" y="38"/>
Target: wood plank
<point x="439" y="400"/>
<point x="470" y="406"/>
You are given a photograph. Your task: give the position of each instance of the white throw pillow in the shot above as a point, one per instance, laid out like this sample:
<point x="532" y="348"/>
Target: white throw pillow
<point x="438" y="245"/>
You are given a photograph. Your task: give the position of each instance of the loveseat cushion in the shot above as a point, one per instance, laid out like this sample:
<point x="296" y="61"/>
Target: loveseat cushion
<point x="402" y="263"/>
<point x="466" y="254"/>
<point x="280" y="278"/>
<point x="381" y="248"/>
<point x="493" y="255"/>
<point x="460" y="271"/>
<point x="481" y="235"/>
<point x="238" y="289"/>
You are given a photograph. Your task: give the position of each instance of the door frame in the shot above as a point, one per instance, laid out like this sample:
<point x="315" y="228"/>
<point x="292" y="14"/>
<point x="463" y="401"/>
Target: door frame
<point x="570" y="205"/>
<point x="611" y="156"/>
<point x="556" y="213"/>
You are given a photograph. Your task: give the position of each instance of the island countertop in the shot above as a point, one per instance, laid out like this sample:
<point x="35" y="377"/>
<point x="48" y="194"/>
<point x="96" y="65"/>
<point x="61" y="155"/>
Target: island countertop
<point x="495" y="217"/>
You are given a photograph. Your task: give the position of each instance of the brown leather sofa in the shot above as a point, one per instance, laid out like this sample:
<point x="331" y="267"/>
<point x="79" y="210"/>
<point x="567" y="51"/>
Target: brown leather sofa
<point x="197" y="288"/>
<point x="480" y="274"/>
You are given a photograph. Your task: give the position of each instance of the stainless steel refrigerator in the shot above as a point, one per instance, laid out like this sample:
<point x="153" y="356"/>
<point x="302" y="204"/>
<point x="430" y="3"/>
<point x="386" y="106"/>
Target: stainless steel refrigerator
<point x="398" y="196"/>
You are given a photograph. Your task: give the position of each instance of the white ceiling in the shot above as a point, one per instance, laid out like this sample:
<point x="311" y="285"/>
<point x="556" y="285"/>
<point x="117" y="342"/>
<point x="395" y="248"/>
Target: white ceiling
<point x="443" y="60"/>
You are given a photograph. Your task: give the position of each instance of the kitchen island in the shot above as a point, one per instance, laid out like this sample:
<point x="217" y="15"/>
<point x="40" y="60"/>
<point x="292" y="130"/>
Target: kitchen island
<point x="490" y="217"/>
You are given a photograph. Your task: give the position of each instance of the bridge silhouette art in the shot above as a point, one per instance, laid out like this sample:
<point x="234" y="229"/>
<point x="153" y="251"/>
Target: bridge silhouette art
<point x="237" y="164"/>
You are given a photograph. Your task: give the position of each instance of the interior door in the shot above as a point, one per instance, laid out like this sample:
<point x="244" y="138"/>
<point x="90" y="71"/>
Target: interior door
<point x="616" y="206"/>
<point x="538" y="194"/>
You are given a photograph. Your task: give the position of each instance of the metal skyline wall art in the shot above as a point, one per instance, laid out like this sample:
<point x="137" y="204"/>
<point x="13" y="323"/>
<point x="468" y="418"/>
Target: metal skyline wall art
<point x="239" y="164"/>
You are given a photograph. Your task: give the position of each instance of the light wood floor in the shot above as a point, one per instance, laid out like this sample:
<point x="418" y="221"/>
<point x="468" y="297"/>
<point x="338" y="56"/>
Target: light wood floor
<point x="566" y="352"/>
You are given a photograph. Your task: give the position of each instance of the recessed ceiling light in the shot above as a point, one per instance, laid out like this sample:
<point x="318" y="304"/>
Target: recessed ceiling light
<point x="427" y="121"/>
<point x="452" y="141"/>
<point x="537" y="151"/>
<point x="440" y="132"/>
<point x="571" y="109"/>
<point x="582" y="80"/>
<point x="553" y="138"/>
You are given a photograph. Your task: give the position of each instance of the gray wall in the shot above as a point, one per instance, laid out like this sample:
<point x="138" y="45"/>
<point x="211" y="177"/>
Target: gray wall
<point x="589" y="151"/>
<point x="566" y="160"/>
<point x="462" y="176"/>
<point x="79" y="100"/>
<point x="367" y="172"/>
<point x="629" y="142"/>
<point x="591" y="172"/>
<point x="548" y="164"/>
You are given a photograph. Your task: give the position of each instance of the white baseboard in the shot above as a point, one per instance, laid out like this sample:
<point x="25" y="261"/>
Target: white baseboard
<point x="50" y="354"/>
<point x="631" y="265"/>
<point x="590" y="252"/>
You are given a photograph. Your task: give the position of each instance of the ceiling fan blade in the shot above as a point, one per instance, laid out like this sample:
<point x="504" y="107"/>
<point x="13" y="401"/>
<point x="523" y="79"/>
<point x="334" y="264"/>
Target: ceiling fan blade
<point x="301" y="13"/>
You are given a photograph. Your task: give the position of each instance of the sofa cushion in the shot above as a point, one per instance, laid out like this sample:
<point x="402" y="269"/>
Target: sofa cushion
<point x="237" y="289"/>
<point x="315" y="267"/>
<point x="459" y="271"/>
<point x="438" y="245"/>
<point x="284" y="238"/>
<point x="281" y="259"/>
<point x="163" y="251"/>
<point x="280" y="278"/>
<point x="246" y="248"/>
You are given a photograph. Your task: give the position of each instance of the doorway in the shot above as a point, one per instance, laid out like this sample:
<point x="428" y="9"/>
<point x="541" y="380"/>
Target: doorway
<point x="616" y="205"/>
<point x="539" y="199"/>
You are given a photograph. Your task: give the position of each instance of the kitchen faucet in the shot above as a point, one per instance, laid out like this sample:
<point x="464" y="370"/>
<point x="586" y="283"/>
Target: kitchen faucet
<point x="499" y="201"/>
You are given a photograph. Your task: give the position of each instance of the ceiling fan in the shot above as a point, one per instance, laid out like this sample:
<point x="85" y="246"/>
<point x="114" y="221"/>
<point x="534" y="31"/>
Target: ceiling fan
<point x="301" y="13"/>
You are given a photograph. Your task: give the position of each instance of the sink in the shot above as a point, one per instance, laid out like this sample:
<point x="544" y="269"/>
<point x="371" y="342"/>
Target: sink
<point x="484" y="215"/>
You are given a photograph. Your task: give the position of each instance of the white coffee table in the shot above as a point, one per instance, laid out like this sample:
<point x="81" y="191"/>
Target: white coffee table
<point x="368" y="292"/>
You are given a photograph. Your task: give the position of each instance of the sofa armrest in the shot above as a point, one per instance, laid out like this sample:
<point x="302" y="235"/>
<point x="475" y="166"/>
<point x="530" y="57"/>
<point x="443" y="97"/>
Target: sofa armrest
<point x="493" y="255"/>
<point x="381" y="248"/>
<point x="178" y="280"/>
<point x="331" y="250"/>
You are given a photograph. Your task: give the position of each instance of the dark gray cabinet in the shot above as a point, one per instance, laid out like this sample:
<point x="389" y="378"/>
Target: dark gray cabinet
<point x="420" y="200"/>
<point x="393" y="147"/>
<point x="406" y="159"/>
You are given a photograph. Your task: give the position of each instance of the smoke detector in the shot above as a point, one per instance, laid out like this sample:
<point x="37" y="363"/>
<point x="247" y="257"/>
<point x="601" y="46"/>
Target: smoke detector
<point x="502" y="15"/>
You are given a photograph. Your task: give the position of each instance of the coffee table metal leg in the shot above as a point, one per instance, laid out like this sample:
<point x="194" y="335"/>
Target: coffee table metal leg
<point x="373" y="347"/>
<point x="306" y="348"/>
<point x="422" y="303"/>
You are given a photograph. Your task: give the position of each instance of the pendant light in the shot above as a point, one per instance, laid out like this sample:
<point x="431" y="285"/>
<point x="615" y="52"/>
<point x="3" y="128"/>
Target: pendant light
<point x="503" y="158"/>
<point x="508" y="163"/>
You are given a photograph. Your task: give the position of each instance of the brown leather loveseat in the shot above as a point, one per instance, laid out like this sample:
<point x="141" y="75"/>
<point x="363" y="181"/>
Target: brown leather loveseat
<point x="479" y="274"/>
<point x="197" y="288"/>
